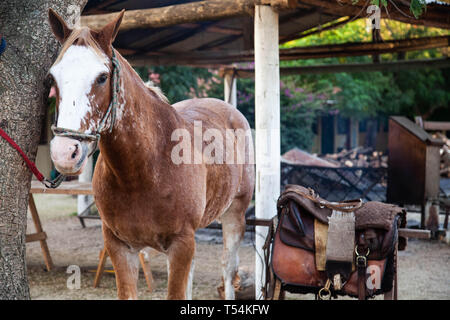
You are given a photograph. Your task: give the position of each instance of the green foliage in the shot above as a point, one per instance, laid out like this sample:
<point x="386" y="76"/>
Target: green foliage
<point x="298" y="105"/>
<point x="377" y="2"/>
<point x="417" y="7"/>
<point x="177" y="82"/>
<point x="416" y="92"/>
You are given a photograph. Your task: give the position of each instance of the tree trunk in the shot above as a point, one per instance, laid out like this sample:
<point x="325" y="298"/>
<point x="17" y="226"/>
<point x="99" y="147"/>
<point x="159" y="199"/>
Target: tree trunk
<point x="31" y="49"/>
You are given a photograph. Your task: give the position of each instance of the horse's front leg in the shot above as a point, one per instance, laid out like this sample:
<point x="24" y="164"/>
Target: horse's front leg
<point x="181" y="255"/>
<point x="125" y="261"/>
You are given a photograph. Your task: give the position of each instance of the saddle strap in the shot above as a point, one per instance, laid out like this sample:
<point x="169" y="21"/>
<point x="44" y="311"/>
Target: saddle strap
<point x="270" y="277"/>
<point x="361" y="283"/>
<point x="343" y="206"/>
<point x="361" y="266"/>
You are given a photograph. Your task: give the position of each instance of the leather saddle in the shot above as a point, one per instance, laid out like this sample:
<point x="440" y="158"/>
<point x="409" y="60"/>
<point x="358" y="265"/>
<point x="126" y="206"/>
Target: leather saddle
<point x="299" y="251"/>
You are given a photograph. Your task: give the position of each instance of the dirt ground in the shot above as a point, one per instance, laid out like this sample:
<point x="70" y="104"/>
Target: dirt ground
<point x="424" y="266"/>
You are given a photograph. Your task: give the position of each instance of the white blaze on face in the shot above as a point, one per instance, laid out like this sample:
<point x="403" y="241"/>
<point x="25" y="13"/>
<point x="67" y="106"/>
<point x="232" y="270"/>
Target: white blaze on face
<point x="74" y="75"/>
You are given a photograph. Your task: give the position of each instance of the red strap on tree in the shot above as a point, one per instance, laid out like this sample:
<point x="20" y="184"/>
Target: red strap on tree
<point x="29" y="163"/>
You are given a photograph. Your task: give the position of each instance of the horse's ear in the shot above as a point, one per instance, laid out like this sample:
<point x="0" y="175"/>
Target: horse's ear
<point x="106" y="36"/>
<point x="59" y="27"/>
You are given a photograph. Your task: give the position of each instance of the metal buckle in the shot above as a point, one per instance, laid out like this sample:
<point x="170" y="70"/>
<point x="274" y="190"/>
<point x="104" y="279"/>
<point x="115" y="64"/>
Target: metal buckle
<point x="325" y="293"/>
<point x="55" y="183"/>
<point x="361" y="260"/>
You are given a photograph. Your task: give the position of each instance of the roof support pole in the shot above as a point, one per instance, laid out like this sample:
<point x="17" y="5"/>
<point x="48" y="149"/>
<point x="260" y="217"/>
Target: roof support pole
<point x="230" y="91"/>
<point x="267" y="125"/>
<point x="83" y="201"/>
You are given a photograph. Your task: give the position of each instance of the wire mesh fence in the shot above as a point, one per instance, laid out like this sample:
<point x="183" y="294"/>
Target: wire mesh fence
<point x="337" y="184"/>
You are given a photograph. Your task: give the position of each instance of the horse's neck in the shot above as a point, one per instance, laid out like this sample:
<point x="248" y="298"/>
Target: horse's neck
<point x="142" y="131"/>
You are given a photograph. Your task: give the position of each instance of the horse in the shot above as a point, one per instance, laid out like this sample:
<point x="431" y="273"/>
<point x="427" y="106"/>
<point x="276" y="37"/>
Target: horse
<point x="145" y="195"/>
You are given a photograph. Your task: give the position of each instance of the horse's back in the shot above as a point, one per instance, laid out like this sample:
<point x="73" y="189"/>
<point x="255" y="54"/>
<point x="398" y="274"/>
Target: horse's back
<point x="213" y="113"/>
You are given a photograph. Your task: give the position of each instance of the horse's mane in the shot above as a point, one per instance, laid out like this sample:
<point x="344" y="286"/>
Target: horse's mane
<point x="157" y="91"/>
<point x="80" y="36"/>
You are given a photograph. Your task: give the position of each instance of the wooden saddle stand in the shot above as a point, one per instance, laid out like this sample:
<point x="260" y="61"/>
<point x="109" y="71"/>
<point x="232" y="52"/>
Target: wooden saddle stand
<point x="330" y="249"/>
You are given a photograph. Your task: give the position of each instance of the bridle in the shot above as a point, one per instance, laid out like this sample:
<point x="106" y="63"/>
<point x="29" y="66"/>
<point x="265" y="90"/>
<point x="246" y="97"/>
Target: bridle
<point x="95" y="135"/>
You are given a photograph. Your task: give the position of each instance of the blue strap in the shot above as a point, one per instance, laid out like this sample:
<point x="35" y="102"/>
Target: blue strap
<point x="2" y="45"/>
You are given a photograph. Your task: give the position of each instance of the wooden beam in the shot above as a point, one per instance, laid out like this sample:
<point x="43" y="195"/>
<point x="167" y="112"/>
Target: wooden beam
<point x="230" y="89"/>
<point x="414" y="233"/>
<point x="351" y="67"/>
<point x="436" y="15"/>
<point x="436" y="125"/>
<point x="367" y="48"/>
<point x="312" y="52"/>
<point x="183" y="13"/>
<point x="39" y="236"/>
<point x="174" y="14"/>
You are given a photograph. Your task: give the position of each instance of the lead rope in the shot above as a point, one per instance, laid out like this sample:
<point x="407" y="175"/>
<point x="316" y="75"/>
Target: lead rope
<point x="48" y="183"/>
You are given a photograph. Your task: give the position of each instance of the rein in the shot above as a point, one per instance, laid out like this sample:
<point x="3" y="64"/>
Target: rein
<point x="64" y="132"/>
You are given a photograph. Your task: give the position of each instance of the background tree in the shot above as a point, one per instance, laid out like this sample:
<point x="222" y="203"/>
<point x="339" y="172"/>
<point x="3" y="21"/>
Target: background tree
<point x="411" y="93"/>
<point x="31" y="50"/>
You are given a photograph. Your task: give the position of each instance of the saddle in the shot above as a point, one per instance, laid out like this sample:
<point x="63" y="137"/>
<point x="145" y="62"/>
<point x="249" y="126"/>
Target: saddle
<point x="335" y="248"/>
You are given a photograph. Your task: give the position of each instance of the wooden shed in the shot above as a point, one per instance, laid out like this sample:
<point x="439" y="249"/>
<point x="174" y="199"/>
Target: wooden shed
<point x="414" y="163"/>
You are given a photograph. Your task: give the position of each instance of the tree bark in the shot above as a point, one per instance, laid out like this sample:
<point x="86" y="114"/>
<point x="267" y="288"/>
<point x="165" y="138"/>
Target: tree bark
<point x="31" y="49"/>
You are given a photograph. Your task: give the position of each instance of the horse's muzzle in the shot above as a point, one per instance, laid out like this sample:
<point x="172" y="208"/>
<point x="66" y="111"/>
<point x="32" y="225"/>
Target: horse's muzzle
<point x="69" y="155"/>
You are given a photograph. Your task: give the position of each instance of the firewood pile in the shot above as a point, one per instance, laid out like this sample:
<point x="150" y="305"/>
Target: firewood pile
<point x="359" y="157"/>
<point x="445" y="154"/>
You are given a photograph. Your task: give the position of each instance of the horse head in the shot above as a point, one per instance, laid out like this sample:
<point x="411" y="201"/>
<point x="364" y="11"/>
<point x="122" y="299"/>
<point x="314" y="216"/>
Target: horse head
<point x="85" y="77"/>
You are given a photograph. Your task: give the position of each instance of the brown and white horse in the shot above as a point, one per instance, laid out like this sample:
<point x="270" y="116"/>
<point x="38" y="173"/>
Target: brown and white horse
<point x="143" y="196"/>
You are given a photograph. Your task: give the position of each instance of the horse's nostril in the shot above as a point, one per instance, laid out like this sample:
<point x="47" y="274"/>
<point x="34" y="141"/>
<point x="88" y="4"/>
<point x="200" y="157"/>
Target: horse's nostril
<point x="74" y="154"/>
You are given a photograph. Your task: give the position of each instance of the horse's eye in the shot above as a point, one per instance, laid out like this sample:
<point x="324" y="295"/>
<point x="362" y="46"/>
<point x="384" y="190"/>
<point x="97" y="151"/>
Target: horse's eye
<point x="102" y="78"/>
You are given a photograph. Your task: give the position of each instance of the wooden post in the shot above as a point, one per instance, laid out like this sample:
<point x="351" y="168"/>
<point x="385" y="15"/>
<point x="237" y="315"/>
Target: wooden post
<point x="86" y="176"/>
<point x="40" y="235"/>
<point x="353" y="133"/>
<point x="145" y="267"/>
<point x="100" y="267"/>
<point x="230" y="91"/>
<point x="267" y="125"/>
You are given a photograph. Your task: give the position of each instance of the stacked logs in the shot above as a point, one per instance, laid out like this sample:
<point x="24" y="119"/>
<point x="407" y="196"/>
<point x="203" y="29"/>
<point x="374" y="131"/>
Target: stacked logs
<point x="445" y="154"/>
<point x="359" y="157"/>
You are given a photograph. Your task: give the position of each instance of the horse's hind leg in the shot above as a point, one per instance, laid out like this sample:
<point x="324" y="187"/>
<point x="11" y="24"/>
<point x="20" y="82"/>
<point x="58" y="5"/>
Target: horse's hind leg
<point x="233" y="229"/>
<point x="126" y="265"/>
